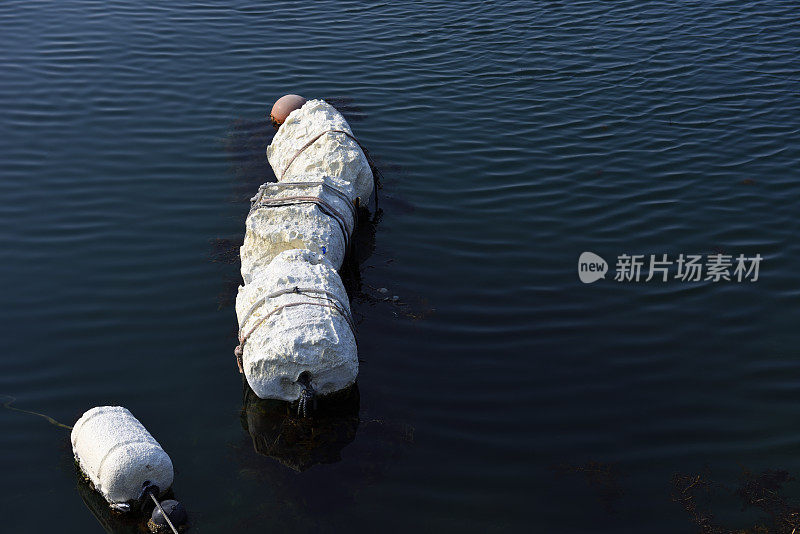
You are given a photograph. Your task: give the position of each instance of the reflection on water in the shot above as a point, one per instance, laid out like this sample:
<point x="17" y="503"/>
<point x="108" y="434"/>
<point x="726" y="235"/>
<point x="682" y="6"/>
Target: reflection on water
<point x="112" y="522"/>
<point x="318" y="466"/>
<point x="301" y="442"/>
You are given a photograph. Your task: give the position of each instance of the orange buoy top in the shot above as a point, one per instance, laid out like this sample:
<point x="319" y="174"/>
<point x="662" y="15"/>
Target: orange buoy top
<point x="283" y="106"/>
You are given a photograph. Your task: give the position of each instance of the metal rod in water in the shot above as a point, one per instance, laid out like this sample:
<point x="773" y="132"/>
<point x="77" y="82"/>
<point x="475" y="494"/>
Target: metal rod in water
<point x="163" y="512"/>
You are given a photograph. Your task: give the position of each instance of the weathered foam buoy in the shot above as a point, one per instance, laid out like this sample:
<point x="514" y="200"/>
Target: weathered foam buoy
<point x="120" y="457"/>
<point x="315" y="143"/>
<point x="292" y="215"/>
<point x="284" y="106"/>
<point x="296" y="334"/>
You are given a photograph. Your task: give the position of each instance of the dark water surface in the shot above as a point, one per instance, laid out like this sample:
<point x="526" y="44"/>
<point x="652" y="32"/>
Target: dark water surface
<point x="499" y="392"/>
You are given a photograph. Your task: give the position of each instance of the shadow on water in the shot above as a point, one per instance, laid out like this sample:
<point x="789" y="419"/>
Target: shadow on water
<point x="246" y="147"/>
<point x="346" y="106"/>
<point x="225" y="251"/>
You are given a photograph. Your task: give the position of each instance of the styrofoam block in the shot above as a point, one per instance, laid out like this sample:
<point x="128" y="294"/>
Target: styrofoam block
<point x="334" y="154"/>
<point x="271" y="230"/>
<point x="308" y="338"/>
<point x="119" y="455"/>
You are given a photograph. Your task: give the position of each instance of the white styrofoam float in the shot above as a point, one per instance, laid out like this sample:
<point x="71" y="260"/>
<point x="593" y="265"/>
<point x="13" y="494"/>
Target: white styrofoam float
<point x="296" y="215"/>
<point x="119" y="456"/>
<point x="285" y="333"/>
<point x="311" y="145"/>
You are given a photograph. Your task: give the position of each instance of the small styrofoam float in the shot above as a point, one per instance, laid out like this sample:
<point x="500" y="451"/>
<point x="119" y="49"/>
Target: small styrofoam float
<point x="295" y="326"/>
<point x="119" y="456"/>
<point x="314" y="142"/>
<point x="296" y="215"/>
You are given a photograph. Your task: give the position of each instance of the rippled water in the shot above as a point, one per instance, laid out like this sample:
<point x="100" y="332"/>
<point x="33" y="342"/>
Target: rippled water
<point x="499" y="392"/>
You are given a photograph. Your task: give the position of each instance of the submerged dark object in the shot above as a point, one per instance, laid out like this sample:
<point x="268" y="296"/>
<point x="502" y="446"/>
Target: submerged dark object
<point x="302" y="442"/>
<point x="175" y="512"/>
<point x="284" y="106"/>
<point x="167" y="516"/>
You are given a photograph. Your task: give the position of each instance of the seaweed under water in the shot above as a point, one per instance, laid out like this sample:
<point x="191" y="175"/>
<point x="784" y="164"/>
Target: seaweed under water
<point x="763" y="494"/>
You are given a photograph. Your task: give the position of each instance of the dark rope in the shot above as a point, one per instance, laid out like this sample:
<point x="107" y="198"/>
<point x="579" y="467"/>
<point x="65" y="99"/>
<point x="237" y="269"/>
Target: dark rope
<point x="307" y="395"/>
<point x="325" y="185"/>
<point x="52" y="421"/>
<point x="296" y="289"/>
